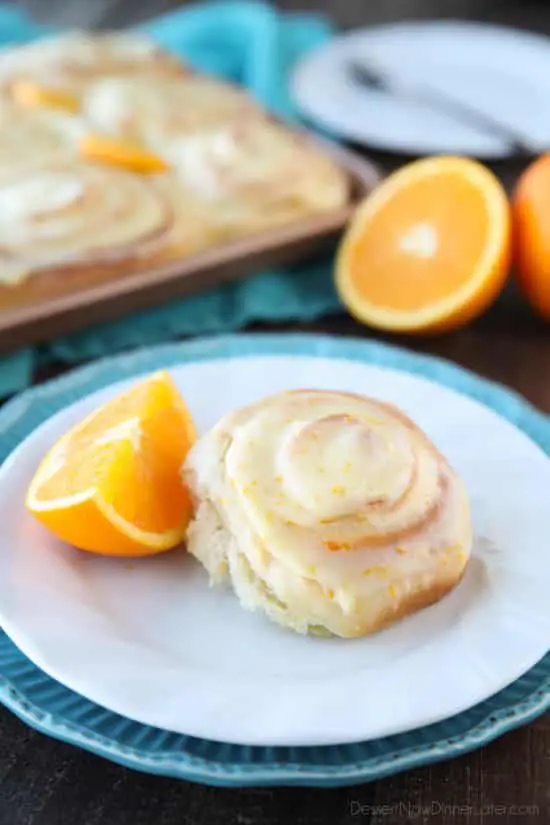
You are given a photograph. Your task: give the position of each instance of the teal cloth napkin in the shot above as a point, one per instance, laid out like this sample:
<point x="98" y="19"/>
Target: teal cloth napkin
<point x="252" y="44"/>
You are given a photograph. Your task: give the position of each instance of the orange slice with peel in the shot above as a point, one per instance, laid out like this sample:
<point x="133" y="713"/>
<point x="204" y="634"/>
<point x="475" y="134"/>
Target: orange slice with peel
<point x="429" y="250"/>
<point x="122" y="153"/>
<point x="31" y="94"/>
<point x="112" y="484"/>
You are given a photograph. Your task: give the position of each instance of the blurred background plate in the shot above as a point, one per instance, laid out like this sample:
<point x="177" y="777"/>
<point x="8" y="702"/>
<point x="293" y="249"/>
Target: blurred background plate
<point x="500" y="72"/>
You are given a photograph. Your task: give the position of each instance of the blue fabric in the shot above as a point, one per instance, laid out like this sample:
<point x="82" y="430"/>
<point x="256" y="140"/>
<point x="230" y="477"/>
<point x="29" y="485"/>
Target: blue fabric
<point x="252" y="44"/>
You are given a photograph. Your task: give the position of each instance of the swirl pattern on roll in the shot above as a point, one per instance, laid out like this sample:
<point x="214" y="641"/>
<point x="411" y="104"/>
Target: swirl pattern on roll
<point x="246" y="170"/>
<point x="72" y="213"/>
<point x="332" y="511"/>
<point x="72" y="59"/>
<point x="37" y="137"/>
<point x="164" y="109"/>
<point x="212" y="157"/>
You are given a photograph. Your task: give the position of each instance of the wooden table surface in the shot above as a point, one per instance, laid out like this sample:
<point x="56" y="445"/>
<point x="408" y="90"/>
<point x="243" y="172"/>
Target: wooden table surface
<point x="43" y="782"/>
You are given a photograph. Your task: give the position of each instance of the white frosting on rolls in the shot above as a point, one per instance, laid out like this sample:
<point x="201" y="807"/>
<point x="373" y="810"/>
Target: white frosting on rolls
<point x="328" y="511"/>
<point x="163" y="108"/>
<point x="73" y="58"/>
<point x="74" y="213"/>
<point x="247" y="170"/>
<point x="36" y="137"/>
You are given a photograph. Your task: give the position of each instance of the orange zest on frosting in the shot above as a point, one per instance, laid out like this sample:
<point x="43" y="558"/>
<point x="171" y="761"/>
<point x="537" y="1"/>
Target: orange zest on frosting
<point x="338" y="545"/>
<point x="121" y="153"/>
<point x="32" y="94"/>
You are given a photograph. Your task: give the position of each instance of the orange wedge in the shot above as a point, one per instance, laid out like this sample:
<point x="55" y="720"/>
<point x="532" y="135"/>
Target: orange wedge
<point x="30" y="93"/>
<point x="112" y="484"/>
<point x="121" y="153"/>
<point x="429" y="249"/>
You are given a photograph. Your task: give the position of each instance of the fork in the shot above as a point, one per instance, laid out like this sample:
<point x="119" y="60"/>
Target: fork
<point x="370" y="77"/>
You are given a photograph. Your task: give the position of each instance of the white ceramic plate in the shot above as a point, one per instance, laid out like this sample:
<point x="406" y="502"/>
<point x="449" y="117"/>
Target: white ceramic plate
<point x="149" y="639"/>
<point x="500" y="71"/>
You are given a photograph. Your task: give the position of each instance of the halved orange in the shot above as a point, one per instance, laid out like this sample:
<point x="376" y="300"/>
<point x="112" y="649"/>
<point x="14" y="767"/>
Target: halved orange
<point x="112" y="484"/>
<point x="429" y="249"/>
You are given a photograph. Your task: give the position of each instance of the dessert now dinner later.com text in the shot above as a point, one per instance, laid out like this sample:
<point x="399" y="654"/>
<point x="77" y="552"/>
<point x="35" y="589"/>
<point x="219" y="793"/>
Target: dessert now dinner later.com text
<point x="415" y="811"/>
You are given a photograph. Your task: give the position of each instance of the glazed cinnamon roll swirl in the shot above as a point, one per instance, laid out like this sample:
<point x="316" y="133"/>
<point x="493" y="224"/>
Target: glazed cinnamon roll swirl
<point x="159" y="111"/>
<point x="331" y="513"/>
<point x="35" y="137"/>
<point x="69" y="217"/>
<point x="70" y="61"/>
<point x="247" y="172"/>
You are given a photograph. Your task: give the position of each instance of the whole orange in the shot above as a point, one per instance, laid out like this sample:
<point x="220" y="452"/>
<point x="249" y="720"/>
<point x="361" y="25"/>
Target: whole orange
<point x="531" y="234"/>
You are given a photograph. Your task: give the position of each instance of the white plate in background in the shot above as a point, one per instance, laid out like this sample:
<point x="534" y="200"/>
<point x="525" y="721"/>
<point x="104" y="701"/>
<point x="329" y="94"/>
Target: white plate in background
<point x="501" y="71"/>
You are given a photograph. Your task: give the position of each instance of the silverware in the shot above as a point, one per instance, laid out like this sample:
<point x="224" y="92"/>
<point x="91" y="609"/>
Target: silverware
<point x="370" y="77"/>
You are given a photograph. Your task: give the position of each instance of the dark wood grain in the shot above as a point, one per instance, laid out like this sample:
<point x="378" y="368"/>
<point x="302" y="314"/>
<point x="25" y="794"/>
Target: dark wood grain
<point x="43" y="782"/>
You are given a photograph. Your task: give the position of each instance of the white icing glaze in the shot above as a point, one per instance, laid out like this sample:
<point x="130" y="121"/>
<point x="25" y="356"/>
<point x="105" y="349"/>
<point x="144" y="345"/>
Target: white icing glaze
<point x="36" y="137"/>
<point x="219" y="143"/>
<point x="75" y="212"/>
<point x="104" y="104"/>
<point x="77" y="48"/>
<point x="35" y="197"/>
<point x="162" y="108"/>
<point x="197" y="158"/>
<point x="326" y="493"/>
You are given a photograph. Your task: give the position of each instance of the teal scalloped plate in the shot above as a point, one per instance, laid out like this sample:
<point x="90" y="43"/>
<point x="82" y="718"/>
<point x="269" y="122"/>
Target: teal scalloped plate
<point x="53" y="709"/>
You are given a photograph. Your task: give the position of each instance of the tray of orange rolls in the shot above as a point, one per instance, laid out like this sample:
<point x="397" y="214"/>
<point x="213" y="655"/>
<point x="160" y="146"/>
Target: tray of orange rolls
<point x="127" y="179"/>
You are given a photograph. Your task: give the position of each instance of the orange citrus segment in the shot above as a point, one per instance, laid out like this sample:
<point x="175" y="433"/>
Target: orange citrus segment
<point x="429" y="249"/>
<point x="531" y="219"/>
<point x="121" y="153"/>
<point x="30" y="93"/>
<point x="112" y="484"/>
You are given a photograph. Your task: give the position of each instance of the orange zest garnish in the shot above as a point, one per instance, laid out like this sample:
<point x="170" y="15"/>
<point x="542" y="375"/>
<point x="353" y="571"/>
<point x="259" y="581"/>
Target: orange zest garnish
<point x="338" y="545"/>
<point x="121" y="153"/>
<point x="29" y="93"/>
<point x="429" y="249"/>
<point x="112" y="484"/>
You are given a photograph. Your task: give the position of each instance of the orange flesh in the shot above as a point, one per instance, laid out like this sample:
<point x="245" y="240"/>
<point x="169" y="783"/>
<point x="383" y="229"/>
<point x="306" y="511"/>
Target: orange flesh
<point x="432" y="208"/>
<point x="127" y="456"/>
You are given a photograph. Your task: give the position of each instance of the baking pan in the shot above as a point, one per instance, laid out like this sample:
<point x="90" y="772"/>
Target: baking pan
<point x="103" y="300"/>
